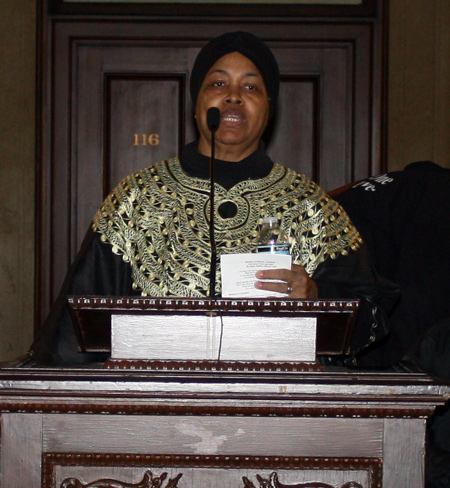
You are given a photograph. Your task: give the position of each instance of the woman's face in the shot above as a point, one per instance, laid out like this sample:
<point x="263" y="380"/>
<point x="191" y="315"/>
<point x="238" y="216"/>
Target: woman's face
<point x="235" y="86"/>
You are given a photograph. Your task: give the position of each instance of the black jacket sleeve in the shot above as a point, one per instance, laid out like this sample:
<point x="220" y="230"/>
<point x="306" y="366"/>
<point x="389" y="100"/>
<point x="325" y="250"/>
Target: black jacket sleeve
<point x="353" y="276"/>
<point x="96" y="270"/>
<point x="404" y="219"/>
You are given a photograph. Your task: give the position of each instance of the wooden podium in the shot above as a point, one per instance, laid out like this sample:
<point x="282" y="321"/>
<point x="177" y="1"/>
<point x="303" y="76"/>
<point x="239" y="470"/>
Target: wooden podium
<point x="230" y="334"/>
<point x="91" y="428"/>
<point x="243" y="422"/>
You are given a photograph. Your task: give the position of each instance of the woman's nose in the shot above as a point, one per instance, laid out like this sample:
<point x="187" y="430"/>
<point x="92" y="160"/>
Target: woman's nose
<point x="234" y="95"/>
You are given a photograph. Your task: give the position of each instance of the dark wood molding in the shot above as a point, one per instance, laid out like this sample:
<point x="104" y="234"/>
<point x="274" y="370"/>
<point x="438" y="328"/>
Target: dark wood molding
<point x="305" y="394"/>
<point x="366" y="8"/>
<point x="57" y="405"/>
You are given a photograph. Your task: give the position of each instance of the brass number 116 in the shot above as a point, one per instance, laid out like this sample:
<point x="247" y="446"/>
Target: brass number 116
<point x="146" y="140"/>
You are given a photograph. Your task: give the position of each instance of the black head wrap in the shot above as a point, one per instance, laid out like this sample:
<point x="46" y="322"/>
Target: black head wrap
<point x="249" y="46"/>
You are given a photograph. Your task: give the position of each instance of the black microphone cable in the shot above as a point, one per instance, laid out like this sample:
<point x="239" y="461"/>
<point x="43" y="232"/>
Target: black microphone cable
<point x="213" y="121"/>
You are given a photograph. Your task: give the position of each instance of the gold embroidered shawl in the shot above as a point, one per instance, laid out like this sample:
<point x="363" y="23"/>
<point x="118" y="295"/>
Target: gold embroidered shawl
<point x="158" y="220"/>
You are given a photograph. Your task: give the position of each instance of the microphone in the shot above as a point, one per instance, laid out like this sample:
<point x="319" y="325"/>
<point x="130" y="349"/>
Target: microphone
<point x="213" y="121"/>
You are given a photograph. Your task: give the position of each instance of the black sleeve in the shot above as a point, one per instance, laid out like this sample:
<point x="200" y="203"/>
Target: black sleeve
<point x="353" y="276"/>
<point x="96" y="270"/>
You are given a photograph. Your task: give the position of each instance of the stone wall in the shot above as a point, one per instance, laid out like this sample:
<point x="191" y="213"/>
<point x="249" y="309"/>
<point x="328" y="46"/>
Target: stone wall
<point x="419" y="82"/>
<point x="17" y="167"/>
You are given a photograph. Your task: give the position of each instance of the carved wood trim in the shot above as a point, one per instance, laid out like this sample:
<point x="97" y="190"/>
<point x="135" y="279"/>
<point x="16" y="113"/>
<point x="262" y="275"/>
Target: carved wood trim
<point x="59" y="406"/>
<point x="148" y="481"/>
<point x="373" y="466"/>
<point x="159" y="365"/>
<point x="222" y="305"/>
<point x="273" y="482"/>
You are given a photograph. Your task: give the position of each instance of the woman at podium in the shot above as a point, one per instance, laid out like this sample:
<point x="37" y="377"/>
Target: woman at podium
<point x="151" y="236"/>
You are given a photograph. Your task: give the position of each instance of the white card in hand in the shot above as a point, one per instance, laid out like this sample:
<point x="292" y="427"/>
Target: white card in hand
<point x="238" y="273"/>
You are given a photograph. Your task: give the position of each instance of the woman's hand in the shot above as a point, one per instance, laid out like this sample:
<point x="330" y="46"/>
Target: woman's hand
<point x="295" y="282"/>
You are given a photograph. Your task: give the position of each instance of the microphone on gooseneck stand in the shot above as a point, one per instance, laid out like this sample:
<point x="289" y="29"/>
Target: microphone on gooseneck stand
<point x="213" y="121"/>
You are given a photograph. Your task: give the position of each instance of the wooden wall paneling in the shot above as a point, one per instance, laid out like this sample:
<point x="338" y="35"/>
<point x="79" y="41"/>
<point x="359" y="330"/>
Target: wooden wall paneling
<point x="365" y="148"/>
<point x="217" y="447"/>
<point x="53" y="165"/>
<point x="128" y="92"/>
<point x="404" y="444"/>
<point x="213" y="435"/>
<point x="329" y="124"/>
<point x="293" y="133"/>
<point x="206" y="449"/>
<point x="21" y="450"/>
<point x="144" y="124"/>
<point x="87" y="120"/>
<point x="99" y="70"/>
<point x="378" y="79"/>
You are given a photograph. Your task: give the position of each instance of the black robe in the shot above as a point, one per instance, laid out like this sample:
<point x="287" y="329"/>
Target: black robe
<point x="99" y="271"/>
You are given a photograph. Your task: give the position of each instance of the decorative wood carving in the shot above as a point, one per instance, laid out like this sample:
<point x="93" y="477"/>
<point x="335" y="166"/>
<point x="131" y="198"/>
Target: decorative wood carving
<point x="148" y="481"/>
<point x="212" y="365"/>
<point x="273" y="482"/>
<point x="230" y="305"/>
<point x="373" y="466"/>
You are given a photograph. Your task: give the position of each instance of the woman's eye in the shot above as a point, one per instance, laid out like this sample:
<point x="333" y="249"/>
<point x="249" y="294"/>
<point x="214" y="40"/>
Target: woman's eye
<point x="218" y="83"/>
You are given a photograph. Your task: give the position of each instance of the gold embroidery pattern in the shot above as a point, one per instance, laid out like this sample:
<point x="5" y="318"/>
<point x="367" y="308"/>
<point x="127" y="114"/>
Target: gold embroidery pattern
<point x="158" y="220"/>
